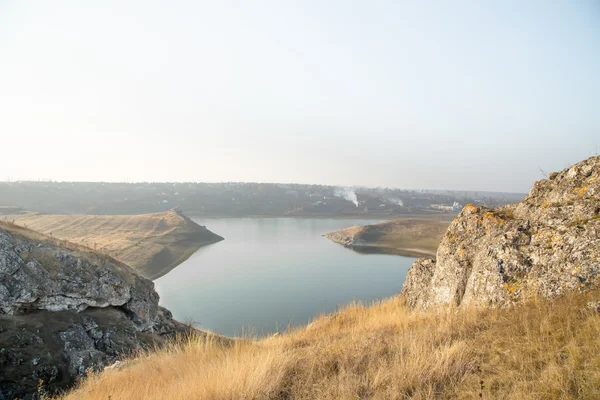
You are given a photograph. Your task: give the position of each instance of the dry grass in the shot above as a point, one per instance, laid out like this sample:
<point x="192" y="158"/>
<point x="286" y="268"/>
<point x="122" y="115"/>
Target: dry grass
<point x="46" y="257"/>
<point x="407" y="236"/>
<point x="152" y="244"/>
<point x="543" y="350"/>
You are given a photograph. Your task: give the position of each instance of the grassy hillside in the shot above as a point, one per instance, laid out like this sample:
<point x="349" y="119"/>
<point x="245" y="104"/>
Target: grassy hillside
<point x="152" y="244"/>
<point x="78" y="249"/>
<point x="408" y="236"/>
<point x="542" y="350"/>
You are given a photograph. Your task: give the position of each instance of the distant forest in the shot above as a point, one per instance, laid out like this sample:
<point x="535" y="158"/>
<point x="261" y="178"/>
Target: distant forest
<point x="235" y="199"/>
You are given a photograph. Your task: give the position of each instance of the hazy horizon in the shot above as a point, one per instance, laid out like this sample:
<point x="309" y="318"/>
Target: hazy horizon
<point x="441" y="189"/>
<point x="412" y="95"/>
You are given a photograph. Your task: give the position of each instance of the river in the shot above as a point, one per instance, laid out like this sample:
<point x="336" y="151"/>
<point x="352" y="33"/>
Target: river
<point x="271" y="272"/>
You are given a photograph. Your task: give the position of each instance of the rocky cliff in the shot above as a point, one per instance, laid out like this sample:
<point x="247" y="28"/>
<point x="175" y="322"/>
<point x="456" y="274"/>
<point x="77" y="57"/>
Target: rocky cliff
<point x="65" y="309"/>
<point x="544" y="246"/>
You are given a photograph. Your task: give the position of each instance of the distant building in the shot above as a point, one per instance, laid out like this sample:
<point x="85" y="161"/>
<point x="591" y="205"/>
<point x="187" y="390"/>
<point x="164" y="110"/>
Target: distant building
<point x="442" y="207"/>
<point x="454" y="207"/>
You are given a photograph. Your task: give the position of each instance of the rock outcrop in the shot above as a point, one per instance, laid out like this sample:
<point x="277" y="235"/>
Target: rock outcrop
<point x="41" y="276"/>
<point x="545" y="246"/>
<point x="65" y="309"/>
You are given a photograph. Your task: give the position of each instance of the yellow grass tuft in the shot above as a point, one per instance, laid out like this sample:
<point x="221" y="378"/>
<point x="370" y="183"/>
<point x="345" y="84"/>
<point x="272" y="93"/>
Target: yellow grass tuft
<point x="542" y="350"/>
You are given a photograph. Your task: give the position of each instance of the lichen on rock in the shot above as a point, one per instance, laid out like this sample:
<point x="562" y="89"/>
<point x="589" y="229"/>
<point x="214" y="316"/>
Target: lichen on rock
<point x="545" y="246"/>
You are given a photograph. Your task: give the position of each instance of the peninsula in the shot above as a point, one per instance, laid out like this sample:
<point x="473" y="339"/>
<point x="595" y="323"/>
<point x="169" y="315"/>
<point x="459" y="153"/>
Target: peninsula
<point x="151" y="244"/>
<point x="407" y="237"/>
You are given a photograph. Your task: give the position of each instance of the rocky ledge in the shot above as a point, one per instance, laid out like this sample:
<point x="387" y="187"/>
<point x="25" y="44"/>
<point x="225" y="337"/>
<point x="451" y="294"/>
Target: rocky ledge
<point x="65" y="310"/>
<point x="545" y="246"/>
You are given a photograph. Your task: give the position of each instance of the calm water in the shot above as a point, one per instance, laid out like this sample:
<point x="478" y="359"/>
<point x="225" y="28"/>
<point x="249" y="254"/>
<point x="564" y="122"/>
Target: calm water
<point x="269" y="272"/>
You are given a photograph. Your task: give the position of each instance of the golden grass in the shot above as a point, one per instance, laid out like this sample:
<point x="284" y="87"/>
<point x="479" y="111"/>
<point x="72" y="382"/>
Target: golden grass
<point x="48" y="257"/>
<point x="152" y="244"/>
<point x="542" y="350"/>
<point x="407" y="236"/>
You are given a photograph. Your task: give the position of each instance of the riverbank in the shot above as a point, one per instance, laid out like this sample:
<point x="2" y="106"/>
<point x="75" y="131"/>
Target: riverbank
<point x="415" y="237"/>
<point x="152" y="244"/>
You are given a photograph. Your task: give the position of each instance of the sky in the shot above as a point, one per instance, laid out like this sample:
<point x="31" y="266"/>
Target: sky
<point x="473" y="95"/>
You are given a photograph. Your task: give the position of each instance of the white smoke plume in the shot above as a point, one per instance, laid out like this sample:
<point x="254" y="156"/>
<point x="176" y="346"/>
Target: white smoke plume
<point x="346" y="194"/>
<point x="398" y="202"/>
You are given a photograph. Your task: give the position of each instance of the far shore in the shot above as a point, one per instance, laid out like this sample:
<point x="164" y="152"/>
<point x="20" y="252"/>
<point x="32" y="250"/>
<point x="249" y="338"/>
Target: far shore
<point x="385" y="217"/>
<point x="396" y="251"/>
<point x="412" y="237"/>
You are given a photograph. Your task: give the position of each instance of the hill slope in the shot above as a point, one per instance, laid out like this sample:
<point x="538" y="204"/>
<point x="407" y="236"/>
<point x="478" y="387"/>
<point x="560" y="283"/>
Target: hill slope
<point x="542" y="350"/>
<point x="409" y="237"/>
<point x="152" y="244"/>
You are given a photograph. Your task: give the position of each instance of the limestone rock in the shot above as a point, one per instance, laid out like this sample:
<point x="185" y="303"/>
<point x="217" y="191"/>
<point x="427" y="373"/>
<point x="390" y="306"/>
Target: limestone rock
<point x="546" y="246"/>
<point x="38" y="275"/>
<point x="594" y="306"/>
<point x="65" y="310"/>
<point x="59" y="347"/>
<point x="418" y="278"/>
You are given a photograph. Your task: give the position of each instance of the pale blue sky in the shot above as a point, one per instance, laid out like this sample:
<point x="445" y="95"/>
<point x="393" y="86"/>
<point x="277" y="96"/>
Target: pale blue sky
<point x="425" y="94"/>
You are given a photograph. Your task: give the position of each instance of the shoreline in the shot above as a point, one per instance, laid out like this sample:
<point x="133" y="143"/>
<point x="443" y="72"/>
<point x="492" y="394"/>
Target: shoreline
<point x="390" y="250"/>
<point x="183" y="258"/>
<point x="410" y="237"/>
<point x="434" y="217"/>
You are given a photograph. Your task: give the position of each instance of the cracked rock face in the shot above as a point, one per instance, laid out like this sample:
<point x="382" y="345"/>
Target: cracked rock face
<point x="65" y="310"/>
<point x="41" y="276"/>
<point x="60" y="347"/>
<point x="546" y="246"/>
